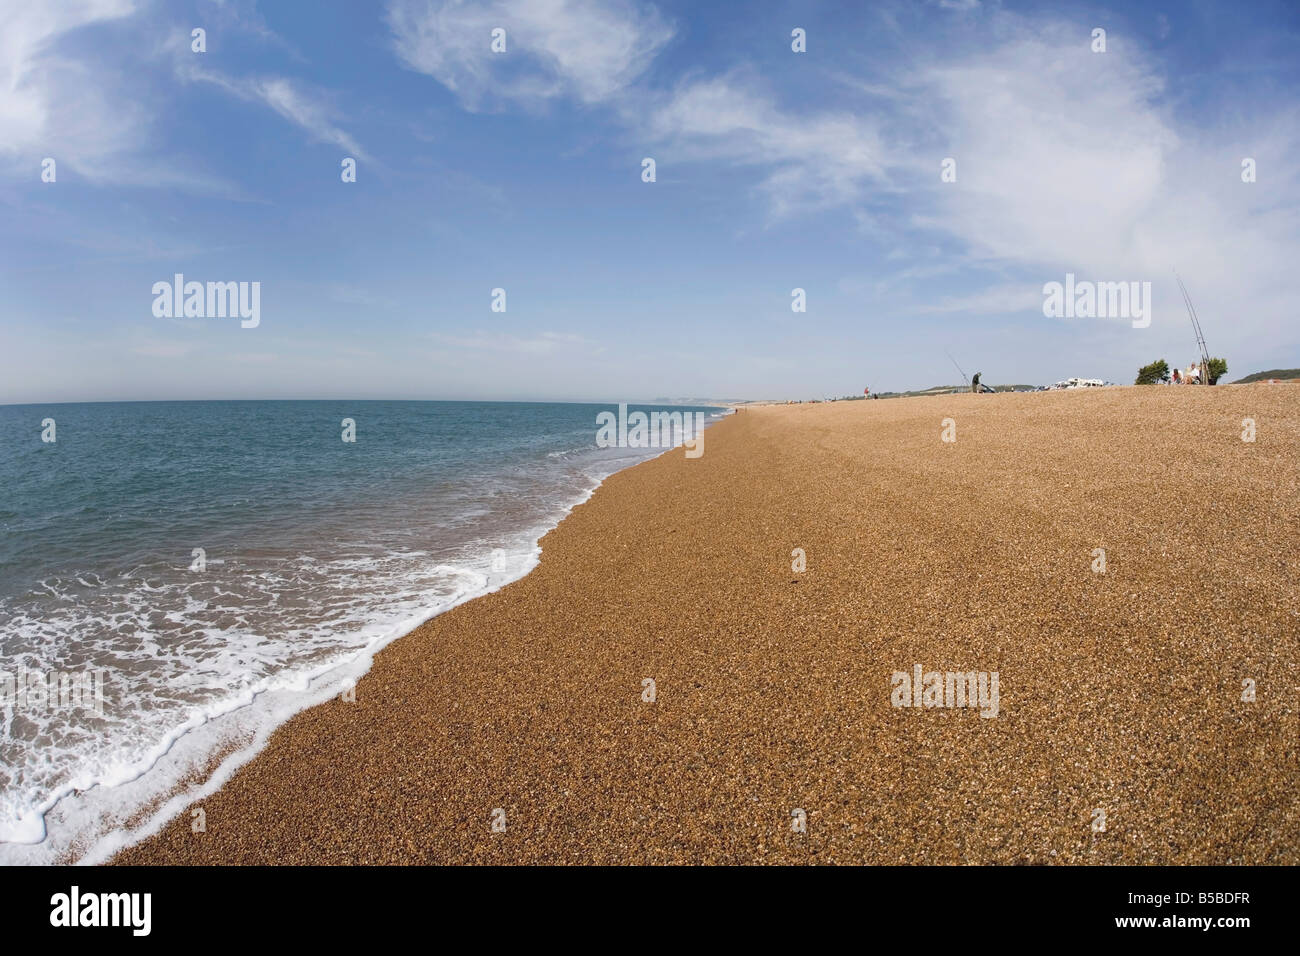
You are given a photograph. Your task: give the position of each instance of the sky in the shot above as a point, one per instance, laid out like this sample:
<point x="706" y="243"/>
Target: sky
<point x="523" y="171"/>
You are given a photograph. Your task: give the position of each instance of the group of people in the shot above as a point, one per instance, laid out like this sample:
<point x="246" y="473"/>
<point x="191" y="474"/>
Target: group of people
<point x="1188" y="376"/>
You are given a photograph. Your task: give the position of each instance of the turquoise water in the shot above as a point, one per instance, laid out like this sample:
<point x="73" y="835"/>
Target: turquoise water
<point x="315" y="551"/>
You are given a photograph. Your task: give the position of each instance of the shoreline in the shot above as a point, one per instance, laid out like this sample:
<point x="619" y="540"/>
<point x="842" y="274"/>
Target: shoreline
<point x="773" y="685"/>
<point x="194" y="760"/>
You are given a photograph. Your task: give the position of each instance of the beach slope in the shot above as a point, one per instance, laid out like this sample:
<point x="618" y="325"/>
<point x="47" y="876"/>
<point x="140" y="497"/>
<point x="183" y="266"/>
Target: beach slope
<point x="1145" y="714"/>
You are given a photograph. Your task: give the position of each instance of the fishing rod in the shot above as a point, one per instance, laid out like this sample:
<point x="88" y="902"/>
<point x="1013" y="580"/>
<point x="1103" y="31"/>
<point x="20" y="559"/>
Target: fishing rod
<point x="1196" y="327"/>
<point x="964" y="378"/>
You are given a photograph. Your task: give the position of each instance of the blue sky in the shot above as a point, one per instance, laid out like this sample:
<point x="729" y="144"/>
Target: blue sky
<point x="775" y="170"/>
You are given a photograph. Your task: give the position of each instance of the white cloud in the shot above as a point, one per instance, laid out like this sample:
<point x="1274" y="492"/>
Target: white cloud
<point x="1075" y="161"/>
<point x="310" y="114"/>
<point x="1058" y="149"/>
<point x="93" y="116"/>
<point x="590" y="50"/>
<point x="594" y="51"/>
<point x="242" y="15"/>
<point x="306" y="110"/>
<point x="814" y="159"/>
<point x="51" y="105"/>
<point x="1067" y="161"/>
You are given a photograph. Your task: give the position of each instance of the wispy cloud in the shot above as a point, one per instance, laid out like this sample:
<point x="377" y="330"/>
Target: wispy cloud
<point x="89" y="105"/>
<point x="811" y="160"/>
<point x="91" y="109"/>
<point x="243" y="15"/>
<point x="590" y="50"/>
<point x="1070" y="160"/>
<point x="307" y="110"/>
<point x="1065" y="157"/>
<point x="54" y="105"/>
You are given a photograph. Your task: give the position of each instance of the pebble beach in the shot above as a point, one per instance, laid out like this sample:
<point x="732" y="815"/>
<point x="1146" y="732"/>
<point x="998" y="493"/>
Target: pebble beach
<point x="700" y="670"/>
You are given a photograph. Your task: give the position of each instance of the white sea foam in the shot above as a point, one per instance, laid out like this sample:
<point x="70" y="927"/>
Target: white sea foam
<point x="212" y="663"/>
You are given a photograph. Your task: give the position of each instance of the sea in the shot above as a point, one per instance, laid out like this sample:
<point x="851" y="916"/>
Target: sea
<point x="177" y="579"/>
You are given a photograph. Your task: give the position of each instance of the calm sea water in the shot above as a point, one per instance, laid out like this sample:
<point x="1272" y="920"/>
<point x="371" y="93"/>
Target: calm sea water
<point x="315" y="552"/>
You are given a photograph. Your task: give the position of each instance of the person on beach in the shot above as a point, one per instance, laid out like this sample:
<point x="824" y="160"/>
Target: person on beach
<point x="1177" y="379"/>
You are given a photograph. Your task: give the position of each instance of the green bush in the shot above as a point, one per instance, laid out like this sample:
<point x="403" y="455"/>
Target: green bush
<point x="1217" y="368"/>
<point x="1157" y="371"/>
